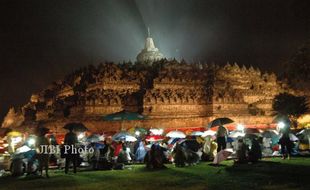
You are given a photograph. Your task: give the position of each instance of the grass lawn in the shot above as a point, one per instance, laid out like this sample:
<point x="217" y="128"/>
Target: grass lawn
<point x="271" y="173"/>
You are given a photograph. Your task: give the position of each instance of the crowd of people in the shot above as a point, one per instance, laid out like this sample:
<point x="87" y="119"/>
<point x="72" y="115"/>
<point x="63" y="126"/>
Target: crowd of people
<point x="111" y="154"/>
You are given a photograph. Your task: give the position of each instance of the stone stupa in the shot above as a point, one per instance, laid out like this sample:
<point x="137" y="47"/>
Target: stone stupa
<point x="150" y="53"/>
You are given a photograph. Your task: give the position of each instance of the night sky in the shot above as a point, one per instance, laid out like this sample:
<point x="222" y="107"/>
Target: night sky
<point x="41" y="41"/>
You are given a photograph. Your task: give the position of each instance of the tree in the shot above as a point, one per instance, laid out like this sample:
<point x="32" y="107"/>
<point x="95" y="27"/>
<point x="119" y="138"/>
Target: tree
<point x="289" y="105"/>
<point x="298" y="68"/>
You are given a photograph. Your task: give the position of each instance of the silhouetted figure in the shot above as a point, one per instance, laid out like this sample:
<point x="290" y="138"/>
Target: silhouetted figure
<point x="104" y="158"/>
<point x="43" y="157"/>
<point x="242" y="149"/>
<point x="155" y="157"/>
<point x="70" y="141"/>
<point x="255" y="152"/>
<point x="186" y="152"/>
<point x="221" y="136"/>
<point x="179" y="156"/>
<point x="285" y="142"/>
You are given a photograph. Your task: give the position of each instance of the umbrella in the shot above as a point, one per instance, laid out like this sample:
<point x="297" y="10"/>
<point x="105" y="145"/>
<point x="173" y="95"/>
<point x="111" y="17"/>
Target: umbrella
<point x="208" y="133"/>
<point x="251" y="136"/>
<point x="220" y="121"/>
<point x="251" y="130"/>
<point x="304" y="132"/>
<point x="197" y="133"/>
<point x="14" y="134"/>
<point x="173" y="140"/>
<point x="156" y="131"/>
<point x="304" y="135"/>
<point x="176" y="134"/>
<point x="129" y="139"/>
<point x="236" y="134"/>
<point x="94" y="138"/>
<point x="191" y="144"/>
<point x="137" y="131"/>
<point x="124" y="115"/>
<point x="124" y="136"/>
<point x="222" y="155"/>
<point x="293" y="137"/>
<point x="75" y="126"/>
<point x="154" y="138"/>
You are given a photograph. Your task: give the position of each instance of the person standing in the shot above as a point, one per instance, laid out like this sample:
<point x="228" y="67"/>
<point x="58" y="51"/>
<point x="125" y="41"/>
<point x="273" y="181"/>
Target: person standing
<point x="285" y="142"/>
<point x="43" y="157"/>
<point x="242" y="150"/>
<point x="221" y="136"/>
<point x="70" y="141"/>
<point x="140" y="152"/>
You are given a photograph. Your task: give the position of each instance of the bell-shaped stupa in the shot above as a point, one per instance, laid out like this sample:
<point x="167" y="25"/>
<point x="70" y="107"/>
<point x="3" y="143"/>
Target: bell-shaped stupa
<point x="150" y="53"/>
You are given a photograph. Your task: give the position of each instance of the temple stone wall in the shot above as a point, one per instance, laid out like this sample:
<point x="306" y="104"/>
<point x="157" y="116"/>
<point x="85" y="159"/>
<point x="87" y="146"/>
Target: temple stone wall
<point x="100" y="126"/>
<point x="176" y="110"/>
<point x="171" y="94"/>
<point x="229" y="109"/>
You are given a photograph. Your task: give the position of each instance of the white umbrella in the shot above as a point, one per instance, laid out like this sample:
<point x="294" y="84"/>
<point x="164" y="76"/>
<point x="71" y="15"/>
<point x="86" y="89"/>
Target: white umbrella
<point x="236" y="134"/>
<point x="209" y="133"/>
<point x="130" y="139"/>
<point x="156" y="131"/>
<point x="222" y="155"/>
<point x="197" y="133"/>
<point x="293" y="137"/>
<point x="124" y="136"/>
<point x="176" y="134"/>
<point x="23" y="149"/>
<point x="304" y="132"/>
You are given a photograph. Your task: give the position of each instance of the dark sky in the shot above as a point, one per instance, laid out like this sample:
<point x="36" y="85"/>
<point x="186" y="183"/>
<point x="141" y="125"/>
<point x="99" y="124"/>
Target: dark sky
<point x="41" y="41"/>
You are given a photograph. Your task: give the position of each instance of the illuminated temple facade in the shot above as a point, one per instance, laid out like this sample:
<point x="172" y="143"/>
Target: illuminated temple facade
<point x="172" y="94"/>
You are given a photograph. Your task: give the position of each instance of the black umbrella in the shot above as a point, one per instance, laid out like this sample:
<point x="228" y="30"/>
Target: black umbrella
<point x="251" y="131"/>
<point x="251" y="136"/>
<point x="220" y="121"/>
<point x="75" y="126"/>
<point x="191" y="144"/>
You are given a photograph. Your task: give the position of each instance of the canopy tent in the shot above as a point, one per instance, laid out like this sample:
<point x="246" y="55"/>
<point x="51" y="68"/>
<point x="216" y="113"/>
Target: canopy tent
<point x="124" y="116"/>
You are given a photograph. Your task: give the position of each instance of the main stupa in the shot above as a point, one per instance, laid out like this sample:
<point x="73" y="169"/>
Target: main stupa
<point x="150" y="53"/>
